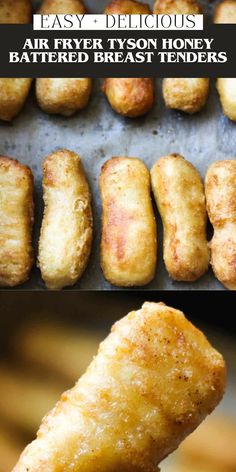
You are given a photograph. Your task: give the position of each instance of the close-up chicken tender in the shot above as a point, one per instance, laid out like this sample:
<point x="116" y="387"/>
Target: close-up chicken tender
<point x="66" y="232"/>
<point x="225" y="12"/>
<point x="153" y="381"/>
<point x="16" y="221"/>
<point x="130" y="97"/>
<point x="13" y="94"/>
<point x="220" y="188"/>
<point x="179" y="194"/>
<point x="63" y="96"/>
<point x="129" y="239"/>
<point x="185" y="94"/>
<point x="188" y="94"/>
<point x="177" y="7"/>
<point x="62" y="7"/>
<point x="15" y="11"/>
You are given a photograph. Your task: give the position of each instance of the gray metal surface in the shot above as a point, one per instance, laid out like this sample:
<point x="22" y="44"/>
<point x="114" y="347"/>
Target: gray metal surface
<point x="97" y="134"/>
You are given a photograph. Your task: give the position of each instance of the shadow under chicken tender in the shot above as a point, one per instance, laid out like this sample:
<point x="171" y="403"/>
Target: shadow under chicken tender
<point x="153" y="381"/>
<point x="66" y="232"/>
<point x="129" y="239"/>
<point x="16" y="221"/>
<point x="220" y="189"/>
<point x="15" y="11"/>
<point x="179" y="194"/>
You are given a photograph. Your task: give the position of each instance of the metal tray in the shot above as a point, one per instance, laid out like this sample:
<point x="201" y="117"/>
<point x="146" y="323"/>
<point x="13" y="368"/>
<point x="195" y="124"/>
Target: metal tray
<point x="96" y="134"/>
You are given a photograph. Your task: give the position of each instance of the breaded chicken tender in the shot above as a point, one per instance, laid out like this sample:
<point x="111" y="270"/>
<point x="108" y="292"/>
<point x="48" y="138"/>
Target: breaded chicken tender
<point x="177" y="7"/>
<point x="179" y="195"/>
<point x="220" y="189"/>
<point x="129" y="239"/>
<point x="66" y="233"/>
<point x="63" y="96"/>
<point x="15" y="11"/>
<point x="225" y="12"/>
<point x="62" y="7"/>
<point x="13" y="92"/>
<point x="153" y="381"/>
<point x="130" y="97"/>
<point x="185" y="94"/>
<point x="16" y="221"/>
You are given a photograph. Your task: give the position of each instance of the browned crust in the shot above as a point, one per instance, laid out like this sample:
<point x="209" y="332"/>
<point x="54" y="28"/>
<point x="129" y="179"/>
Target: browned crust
<point x="174" y="7"/>
<point x="61" y="7"/>
<point x="15" y="11"/>
<point x="225" y="12"/>
<point x="127" y="7"/>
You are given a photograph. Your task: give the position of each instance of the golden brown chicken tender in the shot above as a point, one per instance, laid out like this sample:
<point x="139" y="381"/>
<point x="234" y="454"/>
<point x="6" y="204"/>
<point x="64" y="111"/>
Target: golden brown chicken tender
<point x="13" y="94"/>
<point x="62" y="7"/>
<point x="220" y="188"/>
<point x="225" y="12"/>
<point x="15" y="11"/>
<point x="16" y="221"/>
<point x="130" y="97"/>
<point x="127" y="7"/>
<point x="129" y="240"/>
<point x="177" y="7"/>
<point x="152" y="382"/>
<point x="66" y="233"/>
<point x="63" y="96"/>
<point x="179" y="195"/>
<point x="187" y="95"/>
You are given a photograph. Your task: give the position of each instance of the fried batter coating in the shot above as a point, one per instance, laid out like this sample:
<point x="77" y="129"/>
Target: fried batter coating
<point x="153" y="381"/>
<point x="16" y="221"/>
<point x="130" y="97"/>
<point x="179" y="195"/>
<point x="129" y="239"/>
<point x="184" y="94"/>
<point x="13" y="94"/>
<point x="225" y="12"/>
<point x="66" y="233"/>
<point x="127" y="7"/>
<point x="15" y="11"/>
<point x="177" y="7"/>
<point x="62" y="7"/>
<point x="220" y="189"/>
<point x="63" y="96"/>
<point x="187" y="95"/>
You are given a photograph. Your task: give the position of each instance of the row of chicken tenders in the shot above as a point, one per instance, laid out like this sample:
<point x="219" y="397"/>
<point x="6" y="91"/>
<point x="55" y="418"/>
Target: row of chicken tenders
<point x="130" y="97"/>
<point x="129" y="232"/>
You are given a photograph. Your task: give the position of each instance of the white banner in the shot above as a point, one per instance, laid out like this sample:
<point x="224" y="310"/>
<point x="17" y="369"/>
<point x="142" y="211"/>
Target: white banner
<point x="118" y="22"/>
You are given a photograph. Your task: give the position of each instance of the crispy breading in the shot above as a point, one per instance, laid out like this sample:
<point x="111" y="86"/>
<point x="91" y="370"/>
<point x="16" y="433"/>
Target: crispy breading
<point x="187" y="95"/>
<point x="179" y="194"/>
<point x="63" y="96"/>
<point x="13" y="94"/>
<point x="16" y="221"/>
<point x="153" y="381"/>
<point x="62" y="7"/>
<point x="130" y="97"/>
<point x="220" y="189"/>
<point x="15" y="11"/>
<point x="127" y="7"/>
<point x="177" y="7"/>
<point x="225" y="12"/>
<point x="129" y="239"/>
<point x="66" y="232"/>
